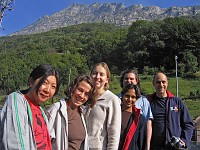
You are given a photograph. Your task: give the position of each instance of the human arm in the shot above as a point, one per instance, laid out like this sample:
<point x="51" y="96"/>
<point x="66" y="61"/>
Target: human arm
<point x="51" y="115"/>
<point x="15" y="123"/>
<point x="145" y="107"/>
<point x="187" y="126"/>
<point x="149" y="133"/>
<point x="149" y="117"/>
<point x="142" y="134"/>
<point x="58" y="125"/>
<point x="55" y="118"/>
<point x="114" y="124"/>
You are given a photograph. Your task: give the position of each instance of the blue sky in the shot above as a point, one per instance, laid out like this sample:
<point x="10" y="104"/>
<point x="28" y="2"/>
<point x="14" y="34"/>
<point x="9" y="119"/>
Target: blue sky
<point x="28" y="11"/>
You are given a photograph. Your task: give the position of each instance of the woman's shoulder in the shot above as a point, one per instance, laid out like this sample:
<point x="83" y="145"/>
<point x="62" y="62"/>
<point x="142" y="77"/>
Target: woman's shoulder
<point x="13" y="101"/>
<point x="110" y="96"/>
<point x="57" y="105"/>
<point x="15" y="96"/>
<point x="143" y="99"/>
<point x="16" y="93"/>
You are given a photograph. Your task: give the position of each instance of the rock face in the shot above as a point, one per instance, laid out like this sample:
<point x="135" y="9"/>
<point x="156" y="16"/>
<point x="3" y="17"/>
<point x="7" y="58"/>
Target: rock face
<point x="114" y="13"/>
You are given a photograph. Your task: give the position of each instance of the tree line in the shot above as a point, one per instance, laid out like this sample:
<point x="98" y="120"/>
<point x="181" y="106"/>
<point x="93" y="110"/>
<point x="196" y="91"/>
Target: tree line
<point x="145" y="45"/>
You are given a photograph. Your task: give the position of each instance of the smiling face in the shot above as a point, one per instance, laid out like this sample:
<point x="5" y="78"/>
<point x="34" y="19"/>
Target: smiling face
<point x="129" y="78"/>
<point x="45" y="91"/>
<point x="129" y="99"/>
<point x="160" y="83"/>
<point x="80" y="94"/>
<point x="99" y="75"/>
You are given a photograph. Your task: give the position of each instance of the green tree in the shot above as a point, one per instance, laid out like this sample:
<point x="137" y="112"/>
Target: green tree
<point x="190" y="62"/>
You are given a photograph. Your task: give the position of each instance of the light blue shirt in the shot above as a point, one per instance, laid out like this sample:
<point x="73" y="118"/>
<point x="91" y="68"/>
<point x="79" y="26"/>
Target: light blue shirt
<point x="143" y="104"/>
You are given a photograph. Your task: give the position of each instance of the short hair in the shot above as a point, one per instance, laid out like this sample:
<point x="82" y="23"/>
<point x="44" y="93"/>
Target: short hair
<point x="75" y="83"/>
<point x="129" y="71"/>
<point x="157" y="74"/>
<point x="105" y="66"/>
<point x="42" y="72"/>
<point x="132" y="86"/>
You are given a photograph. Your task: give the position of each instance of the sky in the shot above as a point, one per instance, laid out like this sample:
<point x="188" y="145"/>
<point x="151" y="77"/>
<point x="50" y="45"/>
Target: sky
<point x="26" y="12"/>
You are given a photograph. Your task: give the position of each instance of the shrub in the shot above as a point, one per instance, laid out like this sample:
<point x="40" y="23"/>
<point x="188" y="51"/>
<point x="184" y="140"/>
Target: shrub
<point x="149" y="70"/>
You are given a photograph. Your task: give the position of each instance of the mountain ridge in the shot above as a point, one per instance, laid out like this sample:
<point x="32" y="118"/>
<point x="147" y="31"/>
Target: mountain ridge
<point x="113" y="13"/>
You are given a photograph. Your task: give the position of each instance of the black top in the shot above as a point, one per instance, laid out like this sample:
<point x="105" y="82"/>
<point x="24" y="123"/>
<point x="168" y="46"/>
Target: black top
<point x="158" y="109"/>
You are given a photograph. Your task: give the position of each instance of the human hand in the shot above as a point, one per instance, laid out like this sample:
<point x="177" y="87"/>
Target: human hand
<point x="183" y="143"/>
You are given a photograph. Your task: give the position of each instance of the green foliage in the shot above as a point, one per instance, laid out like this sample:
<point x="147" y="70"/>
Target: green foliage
<point x="190" y="62"/>
<point x="144" y="45"/>
<point x="186" y="87"/>
<point x="197" y="74"/>
<point x="114" y="85"/>
<point x="73" y="48"/>
<point x="19" y="65"/>
<point x="157" y="42"/>
<point x="149" y="71"/>
<point x="190" y="75"/>
<point x="148" y="46"/>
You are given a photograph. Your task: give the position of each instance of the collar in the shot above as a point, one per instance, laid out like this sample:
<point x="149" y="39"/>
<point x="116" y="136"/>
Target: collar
<point x="152" y="96"/>
<point x="169" y="94"/>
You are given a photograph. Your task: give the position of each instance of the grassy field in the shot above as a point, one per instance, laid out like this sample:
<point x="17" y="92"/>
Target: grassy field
<point x="185" y="88"/>
<point x="193" y="107"/>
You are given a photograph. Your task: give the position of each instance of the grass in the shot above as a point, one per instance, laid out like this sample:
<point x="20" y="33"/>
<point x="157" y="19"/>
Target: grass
<point x="193" y="107"/>
<point x="186" y="86"/>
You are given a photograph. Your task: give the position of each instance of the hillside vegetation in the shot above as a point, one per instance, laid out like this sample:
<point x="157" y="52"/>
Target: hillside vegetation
<point x="188" y="90"/>
<point x="147" y="46"/>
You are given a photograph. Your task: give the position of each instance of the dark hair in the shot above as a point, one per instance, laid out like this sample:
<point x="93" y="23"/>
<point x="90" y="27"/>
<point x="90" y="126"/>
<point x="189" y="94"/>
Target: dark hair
<point x="132" y="86"/>
<point x="43" y="71"/>
<point x="75" y="83"/>
<point x="130" y="71"/>
<point x="108" y="74"/>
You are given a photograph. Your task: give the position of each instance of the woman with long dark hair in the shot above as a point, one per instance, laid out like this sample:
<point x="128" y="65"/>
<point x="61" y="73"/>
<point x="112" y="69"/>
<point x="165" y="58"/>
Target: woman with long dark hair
<point x="23" y="123"/>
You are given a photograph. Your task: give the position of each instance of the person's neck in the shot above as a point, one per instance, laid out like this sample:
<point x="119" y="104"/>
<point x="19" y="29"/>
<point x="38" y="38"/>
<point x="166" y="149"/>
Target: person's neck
<point x="127" y="109"/>
<point x="71" y="105"/>
<point x="31" y="98"/>
<point x="161" y="95"/>
<point x="98" y="92"/>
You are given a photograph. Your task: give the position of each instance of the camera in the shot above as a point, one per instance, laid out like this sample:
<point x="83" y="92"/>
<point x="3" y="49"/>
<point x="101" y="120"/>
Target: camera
<point x="176" y="143"/>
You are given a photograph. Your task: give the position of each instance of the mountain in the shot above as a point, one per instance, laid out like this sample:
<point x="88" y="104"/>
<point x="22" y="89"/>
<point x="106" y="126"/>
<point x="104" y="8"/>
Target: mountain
<point x="113" y="13"/>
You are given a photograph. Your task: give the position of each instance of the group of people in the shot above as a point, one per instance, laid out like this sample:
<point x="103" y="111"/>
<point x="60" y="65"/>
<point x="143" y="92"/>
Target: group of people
<point x="168" y="123"/>
<point x="92" y="117"/>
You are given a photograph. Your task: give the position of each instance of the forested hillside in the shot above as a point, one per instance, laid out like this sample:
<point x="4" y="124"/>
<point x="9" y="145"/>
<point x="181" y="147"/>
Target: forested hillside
<point x="146" y="46"/>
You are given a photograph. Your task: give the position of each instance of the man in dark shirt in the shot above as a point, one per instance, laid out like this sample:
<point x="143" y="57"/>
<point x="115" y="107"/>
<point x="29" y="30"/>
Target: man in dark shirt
<point x="171" y="117"/>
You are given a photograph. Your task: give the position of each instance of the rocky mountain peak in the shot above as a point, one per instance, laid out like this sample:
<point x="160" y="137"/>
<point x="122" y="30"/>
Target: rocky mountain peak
<point x="113" y="13"/>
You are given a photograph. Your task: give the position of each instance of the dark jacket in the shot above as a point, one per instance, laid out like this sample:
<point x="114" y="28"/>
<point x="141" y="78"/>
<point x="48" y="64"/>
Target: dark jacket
<point x="134" y="136"/>
<point x="178" y="121"/>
